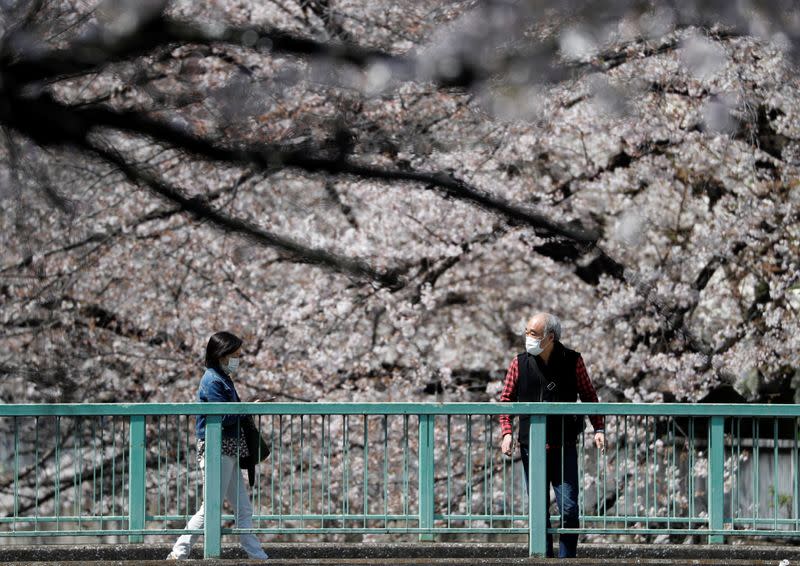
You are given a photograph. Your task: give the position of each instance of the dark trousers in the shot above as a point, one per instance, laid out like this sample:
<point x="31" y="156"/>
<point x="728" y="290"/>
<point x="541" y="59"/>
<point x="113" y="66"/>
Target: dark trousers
<point x="564" y="479"/>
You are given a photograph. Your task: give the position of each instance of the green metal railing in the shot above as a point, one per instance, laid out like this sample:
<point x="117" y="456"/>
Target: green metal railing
<point x="130" y="470"/>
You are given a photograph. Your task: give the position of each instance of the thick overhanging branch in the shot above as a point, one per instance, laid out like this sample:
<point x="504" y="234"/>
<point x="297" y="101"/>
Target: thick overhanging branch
<point x="202" y="211"/>
<point x="103" y="48"/>
<point x="56" y="123"/>
<point x="50" y="122"/>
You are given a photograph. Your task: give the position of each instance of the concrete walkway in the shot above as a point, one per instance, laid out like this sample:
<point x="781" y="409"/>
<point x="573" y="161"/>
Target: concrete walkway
<point x="407" y="554"/>
<point x="422" y="562"/>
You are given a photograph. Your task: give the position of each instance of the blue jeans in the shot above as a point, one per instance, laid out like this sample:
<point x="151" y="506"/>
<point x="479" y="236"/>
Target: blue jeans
<point x="565" y="484"/>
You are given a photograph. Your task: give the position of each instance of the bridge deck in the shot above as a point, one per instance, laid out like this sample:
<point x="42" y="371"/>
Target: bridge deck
<point x="410" y="554"/>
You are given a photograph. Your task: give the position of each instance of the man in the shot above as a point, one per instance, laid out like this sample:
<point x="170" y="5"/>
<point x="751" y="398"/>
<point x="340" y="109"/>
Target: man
<point x="549" y="371"/>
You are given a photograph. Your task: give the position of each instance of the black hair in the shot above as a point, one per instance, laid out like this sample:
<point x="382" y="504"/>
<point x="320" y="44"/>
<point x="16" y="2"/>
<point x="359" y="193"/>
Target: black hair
<point x="220" y="345"/>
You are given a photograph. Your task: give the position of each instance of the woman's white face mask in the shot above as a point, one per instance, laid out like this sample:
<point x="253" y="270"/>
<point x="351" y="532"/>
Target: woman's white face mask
<point x="233" y="365"/>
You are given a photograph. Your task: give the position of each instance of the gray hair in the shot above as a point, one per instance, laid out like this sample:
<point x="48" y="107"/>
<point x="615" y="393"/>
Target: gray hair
<point x="552" y="324"/>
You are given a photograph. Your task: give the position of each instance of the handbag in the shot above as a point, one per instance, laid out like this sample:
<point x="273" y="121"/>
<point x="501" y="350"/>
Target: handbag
<point x="258" y="450"/>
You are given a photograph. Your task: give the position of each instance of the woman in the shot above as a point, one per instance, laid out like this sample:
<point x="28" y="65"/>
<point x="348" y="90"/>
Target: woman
<point x="222" y="361"/>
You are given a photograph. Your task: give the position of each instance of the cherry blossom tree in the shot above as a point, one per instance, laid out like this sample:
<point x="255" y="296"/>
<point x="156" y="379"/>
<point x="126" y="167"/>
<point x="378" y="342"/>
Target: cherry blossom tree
<point x="376" y="195"/>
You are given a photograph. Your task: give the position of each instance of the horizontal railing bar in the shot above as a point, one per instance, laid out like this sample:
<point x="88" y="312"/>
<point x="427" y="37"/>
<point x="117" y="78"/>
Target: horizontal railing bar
<point x="98" y="518"/>
<point x="283" y="530"/>
<point x="478" y="530"/>
<point x="762" y="520"/>
<point x="21" y="519"/>
<point x="645" y="531"/>
<point x="599" y="519"/>
<point x="382" y="517"/>
<point x="640" y="519"/>
<point x="648" y="409"/>
<point x="410" y="530"/>
<point x="379" y="530"/>
<point x="276" y="531"/>
<point x="495" y="517"/>
<point x="590" y="518"/>
<point x="332" y="517"/>
<point x="100" y="532"/>
<point x="66" y="518"/>
<point x="177" y="517"/>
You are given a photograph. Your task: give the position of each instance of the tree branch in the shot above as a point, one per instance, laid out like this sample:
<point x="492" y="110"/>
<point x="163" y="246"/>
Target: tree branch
<point x="59" y="124"/>
<point x="200" y="210"/>
<point x="104" y="48"/>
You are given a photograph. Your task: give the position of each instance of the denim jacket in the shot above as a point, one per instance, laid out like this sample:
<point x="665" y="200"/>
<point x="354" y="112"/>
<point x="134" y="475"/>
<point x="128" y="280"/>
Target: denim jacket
<point x="216" y="386"/>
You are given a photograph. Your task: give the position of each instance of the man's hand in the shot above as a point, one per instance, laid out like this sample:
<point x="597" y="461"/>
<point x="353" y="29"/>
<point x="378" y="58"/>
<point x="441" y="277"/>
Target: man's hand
<point x="507" y="446"/>
<point x="600" y="440"/>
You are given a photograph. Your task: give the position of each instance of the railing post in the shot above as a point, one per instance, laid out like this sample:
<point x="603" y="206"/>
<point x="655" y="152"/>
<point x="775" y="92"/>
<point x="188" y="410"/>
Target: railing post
<point x="212" y="493"/>
<point x="426" y="478"/>
<point x="538" y="497"/>
<point x="137" y="469"/>
<point x="716" y="479"/>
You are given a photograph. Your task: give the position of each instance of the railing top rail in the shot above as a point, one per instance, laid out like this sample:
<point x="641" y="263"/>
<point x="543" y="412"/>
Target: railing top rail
<point x="648" y="409"/>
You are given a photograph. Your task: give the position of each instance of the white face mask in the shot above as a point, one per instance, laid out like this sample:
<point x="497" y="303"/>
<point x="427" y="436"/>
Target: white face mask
<point x="534" y="345"/>
<point x="233" y="365"/>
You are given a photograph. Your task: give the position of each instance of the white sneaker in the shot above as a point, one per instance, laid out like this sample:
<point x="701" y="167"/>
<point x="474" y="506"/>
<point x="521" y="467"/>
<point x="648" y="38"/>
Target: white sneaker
<point x="173" y="556"/>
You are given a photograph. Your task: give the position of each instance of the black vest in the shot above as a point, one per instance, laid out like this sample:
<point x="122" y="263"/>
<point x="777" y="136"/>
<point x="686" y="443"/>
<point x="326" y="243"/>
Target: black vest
<point x="551" y="382"/>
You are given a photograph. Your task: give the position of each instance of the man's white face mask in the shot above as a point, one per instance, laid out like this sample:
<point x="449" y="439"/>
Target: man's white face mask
<point x="534" y="345"/>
